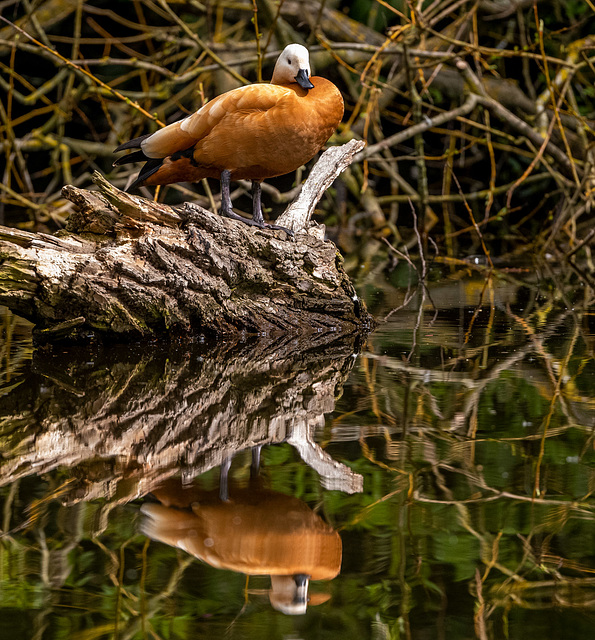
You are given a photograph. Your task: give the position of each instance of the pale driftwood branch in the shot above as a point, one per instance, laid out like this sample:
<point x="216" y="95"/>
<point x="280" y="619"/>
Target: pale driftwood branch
<point x="136" y="268"/>
<point x="332" y="162"/>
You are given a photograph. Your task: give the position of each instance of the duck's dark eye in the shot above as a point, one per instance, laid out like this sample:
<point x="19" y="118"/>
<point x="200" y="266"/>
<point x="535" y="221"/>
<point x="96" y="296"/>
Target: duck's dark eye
<point x="288" y="60"/>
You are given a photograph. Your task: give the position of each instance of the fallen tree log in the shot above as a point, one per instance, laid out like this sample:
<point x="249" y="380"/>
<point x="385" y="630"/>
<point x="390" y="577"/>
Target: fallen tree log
<point x="135" y="268"/>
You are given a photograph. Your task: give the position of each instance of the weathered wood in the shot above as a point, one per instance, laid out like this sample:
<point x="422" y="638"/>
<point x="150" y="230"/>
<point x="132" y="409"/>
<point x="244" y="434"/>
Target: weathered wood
<point x="334" y="161"/>
<point x="135" y="268"/>
<point x="134" y="417"/>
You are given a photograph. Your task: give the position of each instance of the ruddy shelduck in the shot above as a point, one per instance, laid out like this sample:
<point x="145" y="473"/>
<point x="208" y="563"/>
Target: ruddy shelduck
<point x="254" y="132"/>
<point x="256" y="531"/>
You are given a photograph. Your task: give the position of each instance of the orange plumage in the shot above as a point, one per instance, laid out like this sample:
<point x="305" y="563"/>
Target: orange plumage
<point x="254" y="132"/>
<point x="256" y="531"/>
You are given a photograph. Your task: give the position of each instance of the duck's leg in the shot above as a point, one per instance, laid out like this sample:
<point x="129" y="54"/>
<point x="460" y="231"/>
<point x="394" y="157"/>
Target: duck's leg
<point x="223" y="478"/>
<point x="225" y="196"/>
<point x="257" y="217"/>
<point x="226" y="206"/>
<point x="227" y="210"/>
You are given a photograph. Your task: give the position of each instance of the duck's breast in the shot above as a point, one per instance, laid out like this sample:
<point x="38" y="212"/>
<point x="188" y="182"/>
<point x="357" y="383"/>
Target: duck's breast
<point x="280" y="129"/>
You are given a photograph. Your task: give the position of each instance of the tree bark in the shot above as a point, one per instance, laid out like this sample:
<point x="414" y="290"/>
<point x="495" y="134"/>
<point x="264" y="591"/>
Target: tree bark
<point x="136" y="268"/>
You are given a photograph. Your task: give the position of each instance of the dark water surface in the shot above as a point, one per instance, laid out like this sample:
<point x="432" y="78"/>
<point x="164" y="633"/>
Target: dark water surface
<point x="437" y="484"/>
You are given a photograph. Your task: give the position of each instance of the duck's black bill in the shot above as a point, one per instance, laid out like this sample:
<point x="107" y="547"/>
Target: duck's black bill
<point x="303" y="80"/>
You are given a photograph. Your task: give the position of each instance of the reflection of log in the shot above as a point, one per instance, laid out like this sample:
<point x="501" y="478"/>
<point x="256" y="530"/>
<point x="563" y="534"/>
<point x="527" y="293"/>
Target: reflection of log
<point x="142" y="268"/>
<point x="155" y="412"/>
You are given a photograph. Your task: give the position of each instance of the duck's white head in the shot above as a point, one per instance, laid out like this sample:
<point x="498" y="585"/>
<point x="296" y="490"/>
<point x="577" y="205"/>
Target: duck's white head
<point x="289" y="594"/>
<point x="293" y="65"/>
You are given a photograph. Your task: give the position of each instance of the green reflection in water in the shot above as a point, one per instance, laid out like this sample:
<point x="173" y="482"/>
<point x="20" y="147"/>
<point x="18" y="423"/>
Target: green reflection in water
<point x="472" y="429"/>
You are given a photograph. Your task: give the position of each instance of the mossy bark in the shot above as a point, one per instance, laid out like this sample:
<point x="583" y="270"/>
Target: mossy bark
<point x="131" y="267"/>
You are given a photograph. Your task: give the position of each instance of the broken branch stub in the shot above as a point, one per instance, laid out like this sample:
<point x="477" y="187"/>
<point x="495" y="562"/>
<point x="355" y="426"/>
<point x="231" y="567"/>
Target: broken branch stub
<point x="333" y="161"/>
<point x="136" y="268"/>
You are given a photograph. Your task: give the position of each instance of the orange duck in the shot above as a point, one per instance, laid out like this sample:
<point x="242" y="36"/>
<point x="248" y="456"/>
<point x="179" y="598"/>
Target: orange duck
<point x="251" y="133"/>
<point x="256" y="531"/>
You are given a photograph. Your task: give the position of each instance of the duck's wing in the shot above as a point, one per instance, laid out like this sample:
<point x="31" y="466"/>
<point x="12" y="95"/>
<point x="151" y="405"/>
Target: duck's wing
<point x="185" y="133"/>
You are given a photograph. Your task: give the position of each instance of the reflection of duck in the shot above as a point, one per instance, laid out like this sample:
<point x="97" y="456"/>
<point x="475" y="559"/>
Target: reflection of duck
<point x="256" y="532"/>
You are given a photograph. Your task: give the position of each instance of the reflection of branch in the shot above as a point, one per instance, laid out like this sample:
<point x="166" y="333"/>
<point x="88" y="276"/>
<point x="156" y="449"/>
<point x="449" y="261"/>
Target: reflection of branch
<point x="499" y="495"/>
<point x="563" y="592"/>
<point x="475" y="382"/>
<point x="157" y="412"/>
<point x="332" y="473"/>
<point x="418" y="320"/>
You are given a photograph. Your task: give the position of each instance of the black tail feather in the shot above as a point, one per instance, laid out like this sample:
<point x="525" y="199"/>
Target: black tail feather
<point x="151" y="166"/>
<point x="132" y="144"/>
<point x="135" y="156"/>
